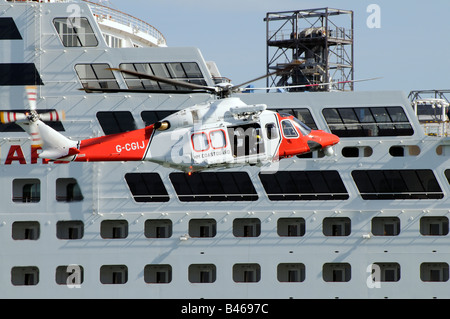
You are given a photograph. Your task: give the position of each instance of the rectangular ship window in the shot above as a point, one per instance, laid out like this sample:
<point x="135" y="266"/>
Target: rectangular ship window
<point x="304" y="185"/>
<point x="291" y="272"/>
<point x="212" y="186"/>
<point x="202" y="228"/>
<point x="184" y="71"/>
<point x="113" y="274"/>
<point x="96" y="76"/>
<point x="246" y="227"/>
<point x="69" y="275"/>
<point x="157" y="274"/>
<point x="336" y="272"/>
<point x="336" y="226"/>
<point x="368" y="121"/>
<point x="434" y="226"/>
<point x="386" y="272"/>
<point x="26" y="190"/>
<point x="434" y="271"/>
<point x="386" y="226"/>
<point x="202" y="273"/>
<point x="147" y="187"/>
<point x="303" y="114"/>
<point x="291" y="227"/>
<point x="114" y="229"/>
<point x="158" y="228"/>
<point x="75" y="32"/>
<point x="397" y="184"/>
<point x="26" y="230"/>
<point x="68" y="190"/>
<point x="243" y="273"/>
<point x="69" y="229"/>
<point x="116" y="122"/>
<point x="112" y="41"/>
<point x="25" y="276"/>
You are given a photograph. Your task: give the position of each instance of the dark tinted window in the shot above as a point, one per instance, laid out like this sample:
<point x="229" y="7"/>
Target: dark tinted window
<point x="397" y="184"/>
<point x="304" y="185"/>
<point x="368" y="121"/>
<point x="19" y="74"/>
<point x="116" y="122"/>
<point x="210" y="186"/>
<point x="147" y="187"/>
<point x="8" y="30"/>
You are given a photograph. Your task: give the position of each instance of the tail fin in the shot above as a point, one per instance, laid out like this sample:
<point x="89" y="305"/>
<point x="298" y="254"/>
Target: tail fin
<point x="55" y="146"/>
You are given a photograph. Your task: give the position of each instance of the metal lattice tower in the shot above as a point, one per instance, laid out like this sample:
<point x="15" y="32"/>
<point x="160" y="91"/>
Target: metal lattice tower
<point x="320" y="41"/>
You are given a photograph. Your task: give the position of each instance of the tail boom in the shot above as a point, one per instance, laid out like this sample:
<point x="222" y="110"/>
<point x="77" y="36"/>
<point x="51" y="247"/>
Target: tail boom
<point x="127" y="146"/>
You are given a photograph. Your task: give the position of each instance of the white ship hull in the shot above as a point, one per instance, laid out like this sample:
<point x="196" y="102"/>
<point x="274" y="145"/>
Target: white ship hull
<point x="107" y="240"/>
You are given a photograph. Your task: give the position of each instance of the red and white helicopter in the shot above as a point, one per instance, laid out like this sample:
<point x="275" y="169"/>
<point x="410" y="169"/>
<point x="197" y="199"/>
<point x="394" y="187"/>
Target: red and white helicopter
<point x="222" y="133"/>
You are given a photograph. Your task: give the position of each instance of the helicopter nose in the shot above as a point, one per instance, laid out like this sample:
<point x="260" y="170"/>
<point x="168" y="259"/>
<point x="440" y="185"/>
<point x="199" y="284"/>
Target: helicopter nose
<point x="324" y="139"/>
<point x="332" y="139"/>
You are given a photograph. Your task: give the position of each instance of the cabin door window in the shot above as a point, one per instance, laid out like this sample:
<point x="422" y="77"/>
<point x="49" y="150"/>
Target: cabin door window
<point x="218" y="139"/>
<point x="200" y="142"/>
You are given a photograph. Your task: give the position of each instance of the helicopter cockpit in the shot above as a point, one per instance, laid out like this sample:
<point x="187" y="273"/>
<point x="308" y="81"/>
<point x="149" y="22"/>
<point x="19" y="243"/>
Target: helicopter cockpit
<point x="288" y="125"/>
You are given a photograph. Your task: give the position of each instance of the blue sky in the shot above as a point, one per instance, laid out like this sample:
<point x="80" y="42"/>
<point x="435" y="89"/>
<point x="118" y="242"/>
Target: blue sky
<point x="410" y="50"/>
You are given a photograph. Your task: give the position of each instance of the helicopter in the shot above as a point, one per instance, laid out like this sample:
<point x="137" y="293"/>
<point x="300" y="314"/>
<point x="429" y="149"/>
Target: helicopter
<point x="221" y="133"/>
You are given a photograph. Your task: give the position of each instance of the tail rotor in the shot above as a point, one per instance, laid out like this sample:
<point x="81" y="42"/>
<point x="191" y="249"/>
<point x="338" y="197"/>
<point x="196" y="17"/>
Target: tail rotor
<point x="32" y="94"/>
<point x="29" y="120"/>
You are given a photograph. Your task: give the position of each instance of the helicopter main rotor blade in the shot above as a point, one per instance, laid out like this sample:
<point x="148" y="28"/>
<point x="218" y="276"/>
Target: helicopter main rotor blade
<point x="107" y="90"/>
<point x="289" y="67"/>
<point x="309" y="85"/>
<point x="166" y="80"/>
<point x="255" y="79"/>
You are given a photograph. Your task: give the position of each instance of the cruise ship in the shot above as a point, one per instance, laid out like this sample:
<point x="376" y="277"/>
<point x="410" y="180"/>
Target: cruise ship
<point x="368" y="222"/>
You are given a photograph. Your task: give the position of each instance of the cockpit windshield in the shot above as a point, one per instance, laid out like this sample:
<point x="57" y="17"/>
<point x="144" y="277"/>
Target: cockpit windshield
<point x="304" y="129"/>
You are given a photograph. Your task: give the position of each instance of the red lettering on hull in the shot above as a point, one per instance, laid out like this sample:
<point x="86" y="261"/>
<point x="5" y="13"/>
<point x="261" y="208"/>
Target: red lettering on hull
<point x="15" y="154"/>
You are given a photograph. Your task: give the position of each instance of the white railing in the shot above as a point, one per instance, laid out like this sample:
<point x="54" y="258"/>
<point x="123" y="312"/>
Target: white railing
<point x="104" y="12"/>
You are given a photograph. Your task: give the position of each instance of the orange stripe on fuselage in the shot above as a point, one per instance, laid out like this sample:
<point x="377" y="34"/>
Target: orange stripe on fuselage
<point x="127" y="146"/>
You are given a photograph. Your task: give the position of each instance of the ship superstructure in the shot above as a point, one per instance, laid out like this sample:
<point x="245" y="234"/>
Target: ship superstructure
<point x="371" y="221"/>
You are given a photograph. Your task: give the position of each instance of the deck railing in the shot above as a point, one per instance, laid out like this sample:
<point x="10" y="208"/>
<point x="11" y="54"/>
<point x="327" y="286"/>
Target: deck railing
<point x="105" y="12"/>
